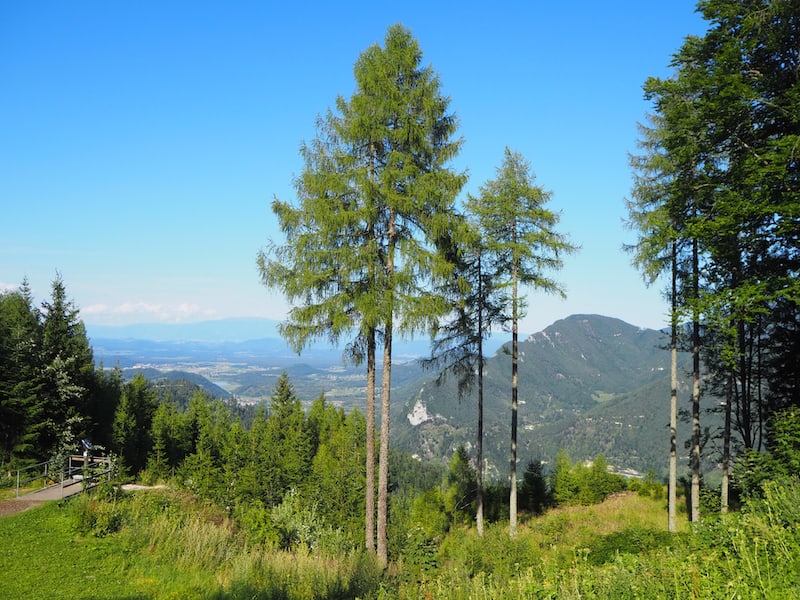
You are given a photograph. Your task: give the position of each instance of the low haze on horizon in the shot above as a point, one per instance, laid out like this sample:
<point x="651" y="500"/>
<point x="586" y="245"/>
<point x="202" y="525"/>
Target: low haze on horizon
<point x="143" y="143"/>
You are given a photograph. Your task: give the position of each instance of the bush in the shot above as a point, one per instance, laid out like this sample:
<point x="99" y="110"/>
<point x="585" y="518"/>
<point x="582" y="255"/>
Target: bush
<point x="634" y="540"/>
<point x="100" y="518"/>
<point x="649" y="486"/>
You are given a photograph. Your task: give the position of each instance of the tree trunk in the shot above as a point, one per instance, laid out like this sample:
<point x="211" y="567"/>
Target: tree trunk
<point x="726" y="447"/>
<point x="512" y="501"/>
<point x="369" y="523"/>
<point x="383" y="464"/>
<point x="386" y="384"/>
<point x="479" y="465"/>
<point x="673" y="402"/>
<point x="369" y="496"/>
<point x="695" y="489"/>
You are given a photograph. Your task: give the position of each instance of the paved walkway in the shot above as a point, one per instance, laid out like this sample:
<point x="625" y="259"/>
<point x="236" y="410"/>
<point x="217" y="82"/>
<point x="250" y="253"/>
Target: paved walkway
<point x="58" y="491"/>
<point x="54" y="492"/>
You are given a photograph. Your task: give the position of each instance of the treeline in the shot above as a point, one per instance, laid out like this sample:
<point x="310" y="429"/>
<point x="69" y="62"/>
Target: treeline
<point x="51" y="393"/>
<point x="287" y="476"/>
<point x="292" y="477"/>
<point x="715" y="205"/>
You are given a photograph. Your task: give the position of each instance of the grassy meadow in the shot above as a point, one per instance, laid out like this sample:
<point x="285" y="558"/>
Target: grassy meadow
<point x="159" y="544"/>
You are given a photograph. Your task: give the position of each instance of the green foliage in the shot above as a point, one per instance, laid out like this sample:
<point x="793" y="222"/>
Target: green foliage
<point x="429" y="514"/>
<point x="375" y="202"/>
<point x="459" y="497"/>
<point x="714" y="188"/>
<point x="753" y="469"/>
<point x="50" y="393"/>
<point x="784" y="441"/>
<point x="409" y="473"/>
<point x="534" y="494"/>
<point x="171" y="545"/>
<point x="564" y="484"/>
<point x="582" y="484"/>
<point x="633" y="540"/>
<point x="297" y="526"/>
<point x="132" y="424"/>
<point x="96" y="516"/>
<point x="518" y="230"/>
<point x="649" y="486"/>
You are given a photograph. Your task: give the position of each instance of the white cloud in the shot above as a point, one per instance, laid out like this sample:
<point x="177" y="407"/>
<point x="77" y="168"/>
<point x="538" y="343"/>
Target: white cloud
<point x="132" y="312"/>
<point x="8" y="287"/>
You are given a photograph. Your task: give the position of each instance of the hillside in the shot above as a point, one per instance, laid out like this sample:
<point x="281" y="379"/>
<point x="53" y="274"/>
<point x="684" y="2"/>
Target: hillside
<point x="588" y="383"/>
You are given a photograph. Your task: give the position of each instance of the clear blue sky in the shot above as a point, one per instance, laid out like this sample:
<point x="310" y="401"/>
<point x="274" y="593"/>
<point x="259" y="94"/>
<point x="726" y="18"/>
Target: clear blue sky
<point x="141" y="143"/>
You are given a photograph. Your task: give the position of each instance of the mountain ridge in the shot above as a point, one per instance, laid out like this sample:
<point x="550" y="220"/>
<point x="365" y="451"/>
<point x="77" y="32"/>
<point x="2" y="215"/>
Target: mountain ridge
<point x="587" y="383"/>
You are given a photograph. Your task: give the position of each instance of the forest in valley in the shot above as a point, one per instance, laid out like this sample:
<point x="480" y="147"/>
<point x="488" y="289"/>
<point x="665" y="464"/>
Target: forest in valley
<point x="316" y="503"/>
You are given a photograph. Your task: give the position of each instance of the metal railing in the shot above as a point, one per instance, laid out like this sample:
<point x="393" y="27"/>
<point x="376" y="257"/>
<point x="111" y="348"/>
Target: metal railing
<point x="90" y="470"/>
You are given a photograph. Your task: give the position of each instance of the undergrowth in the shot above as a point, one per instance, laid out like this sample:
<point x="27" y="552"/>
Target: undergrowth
<point x="164" y="544"/>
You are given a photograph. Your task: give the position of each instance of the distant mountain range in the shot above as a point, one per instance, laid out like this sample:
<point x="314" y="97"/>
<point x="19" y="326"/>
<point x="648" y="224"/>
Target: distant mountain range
<point x="587" y="383"/>
<point x="221" y="330"/>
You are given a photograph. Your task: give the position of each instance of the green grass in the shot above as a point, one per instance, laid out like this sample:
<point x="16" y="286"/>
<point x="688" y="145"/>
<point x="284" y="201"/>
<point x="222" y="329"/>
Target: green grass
<point x="42" y="557"/>
<point x="159" y="545"/>
<point x="163" y="544"/>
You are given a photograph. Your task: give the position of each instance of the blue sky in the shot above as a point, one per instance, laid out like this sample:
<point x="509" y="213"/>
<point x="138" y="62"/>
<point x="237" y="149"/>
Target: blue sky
<point x="141" y="144"/>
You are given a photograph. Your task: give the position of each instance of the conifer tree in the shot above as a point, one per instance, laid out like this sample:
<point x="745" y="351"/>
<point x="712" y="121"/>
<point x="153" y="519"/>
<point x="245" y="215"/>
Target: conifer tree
<point x="522" y="246"/>
<point x="21" y="407"/>
<point x="476" y="305"/>
<point x="374" y="201"/>
<point x="132" y="424"/>
<point x="287" y="438"/>
<point x="67" y="370"/>
<point x="727" y="120"/>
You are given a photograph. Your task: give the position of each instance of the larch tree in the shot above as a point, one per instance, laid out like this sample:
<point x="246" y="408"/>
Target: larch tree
<point x="522" y="247"/>
<point x="375" y="201"/>
<point x="476" y="305"/>
<point x="400" y="107"/>
<point x="328" y="266"/>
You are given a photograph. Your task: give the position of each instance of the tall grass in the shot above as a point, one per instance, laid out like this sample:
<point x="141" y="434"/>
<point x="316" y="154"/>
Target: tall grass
<point x="621" y="549"/>
<point x="161" y="544"/>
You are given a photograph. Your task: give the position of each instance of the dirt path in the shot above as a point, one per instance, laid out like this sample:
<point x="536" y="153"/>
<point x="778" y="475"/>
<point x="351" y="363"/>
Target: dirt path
<point x="13" y="506"/>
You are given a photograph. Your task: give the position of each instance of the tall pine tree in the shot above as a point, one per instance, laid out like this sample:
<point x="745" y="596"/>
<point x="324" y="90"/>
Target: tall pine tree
<point x="522" y="247"/>
<point x="375" y="200"/>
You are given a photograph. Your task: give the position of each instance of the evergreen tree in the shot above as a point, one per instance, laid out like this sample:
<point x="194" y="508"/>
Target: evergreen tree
<point x="461" y="491"/>
<point x="457" y="348"/>
<point x="726" y="121"/>
<point x="21" y="409"/>
<point x="68" y="370"/>
<point x="534" y="494"/>
<point x="564" y="484"/>
<point x="103" y="398"/>
<point x="375" y="199"/>
<point x="287" y="438"/>
<point x="522" y="246"/>
<point x="337" y="475"/>
<point x="132" y="424"/>
<point x="166" y="454"/>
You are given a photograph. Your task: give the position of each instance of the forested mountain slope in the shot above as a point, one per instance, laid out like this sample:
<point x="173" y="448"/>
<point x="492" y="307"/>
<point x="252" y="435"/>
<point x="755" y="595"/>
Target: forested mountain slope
<point x="589" y="384"/>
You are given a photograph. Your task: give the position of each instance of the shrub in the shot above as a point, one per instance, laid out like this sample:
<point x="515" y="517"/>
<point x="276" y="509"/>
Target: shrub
<point x="634" y="540"/>
<point x="100" y="518"/>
